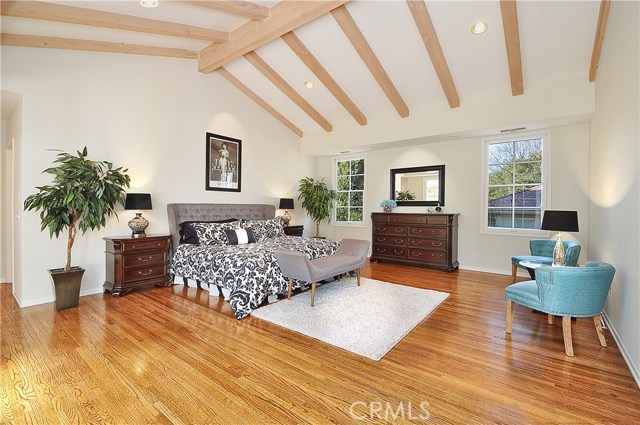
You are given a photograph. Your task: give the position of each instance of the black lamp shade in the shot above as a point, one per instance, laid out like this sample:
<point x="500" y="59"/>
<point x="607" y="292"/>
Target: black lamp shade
<point x="560" y="221"/>
<point x="286" y="204"/>
<point x="138" y="201"/>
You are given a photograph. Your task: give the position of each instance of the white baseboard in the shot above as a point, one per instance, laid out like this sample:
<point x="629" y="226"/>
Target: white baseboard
<point x="3" y="280"/>
<point x="625" y="354"/>
<point x="52" y="298"/>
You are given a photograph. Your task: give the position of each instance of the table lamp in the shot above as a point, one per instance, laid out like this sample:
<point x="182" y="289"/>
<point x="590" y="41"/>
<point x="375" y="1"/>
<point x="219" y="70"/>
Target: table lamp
<point x="286" y="204"/>
<point x="138" y="201"/>
<point x="560" y="221"/>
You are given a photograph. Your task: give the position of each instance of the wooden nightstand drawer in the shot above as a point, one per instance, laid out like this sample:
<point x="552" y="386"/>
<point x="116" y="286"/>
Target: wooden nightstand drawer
<point x="142" y="244"/>
<point x="144" y="273"/>
<point x="144" y="259"/>
<point x="293" y="230"/>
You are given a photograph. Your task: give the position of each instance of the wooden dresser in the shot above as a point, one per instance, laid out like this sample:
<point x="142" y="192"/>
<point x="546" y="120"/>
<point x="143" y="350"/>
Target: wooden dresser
<point x="137" y="263"/>
<point x="429" y="240"/>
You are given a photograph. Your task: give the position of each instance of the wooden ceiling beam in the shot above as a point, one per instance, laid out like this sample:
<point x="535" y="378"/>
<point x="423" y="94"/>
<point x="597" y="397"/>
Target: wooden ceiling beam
<point x="76" y="15"/>
<point x="603" y="18"/>
<point x="512" y="42"/>
<point x="429" y="37"/>
<point x="279" y="82"/>
<point x="355" y="36"/>
<point x="253" y="96"/>
<point x="241" y="8"/>
<point x="93" y="46"/>
<point x="285" y="16"/>
<point x="325" y="78"/>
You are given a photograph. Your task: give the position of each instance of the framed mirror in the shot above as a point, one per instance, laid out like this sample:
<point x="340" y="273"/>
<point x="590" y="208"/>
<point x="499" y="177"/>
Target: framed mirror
<point x="418" y="186"/>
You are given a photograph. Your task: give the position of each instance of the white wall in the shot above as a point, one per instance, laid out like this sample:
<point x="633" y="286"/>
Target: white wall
<point x="614" y="189"/>
<point x="464" y="192"/>
<point x="3" y="205"/>
<point x="147" y="114"/>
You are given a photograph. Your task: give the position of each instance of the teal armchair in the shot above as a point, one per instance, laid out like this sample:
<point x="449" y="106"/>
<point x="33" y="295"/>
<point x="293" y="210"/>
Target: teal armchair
<point x="542" y="252"/>
<point x="567" y="292"/>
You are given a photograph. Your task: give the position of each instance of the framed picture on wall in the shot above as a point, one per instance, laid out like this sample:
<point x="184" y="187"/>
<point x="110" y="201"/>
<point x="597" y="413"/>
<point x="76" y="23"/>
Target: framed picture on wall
<point x="224" y="160"/>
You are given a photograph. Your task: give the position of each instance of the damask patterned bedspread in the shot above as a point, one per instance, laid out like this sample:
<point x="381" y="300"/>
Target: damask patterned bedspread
<point x="250" y="272"/>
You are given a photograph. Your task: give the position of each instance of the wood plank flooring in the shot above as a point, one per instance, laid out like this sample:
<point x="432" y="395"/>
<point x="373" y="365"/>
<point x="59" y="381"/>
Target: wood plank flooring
<point x="177" y="356"/>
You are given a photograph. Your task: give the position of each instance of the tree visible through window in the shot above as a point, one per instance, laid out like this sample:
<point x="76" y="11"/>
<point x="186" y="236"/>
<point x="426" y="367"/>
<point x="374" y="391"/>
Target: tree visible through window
<point x="350" y="190"/>
<point x="515" y="186"/>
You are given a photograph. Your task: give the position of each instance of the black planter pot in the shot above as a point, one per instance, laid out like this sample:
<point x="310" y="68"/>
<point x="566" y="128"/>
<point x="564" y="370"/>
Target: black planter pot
<point x="67" y="285"/>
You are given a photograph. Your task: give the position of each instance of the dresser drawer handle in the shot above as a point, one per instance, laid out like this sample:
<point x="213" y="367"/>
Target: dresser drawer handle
<point x="398" y="241"/>
<point x="399" y="230"/>
<point x="147" y="273"/>
<point x="398" y="252"/>
<point x="437" y="244"/>
<point x="382" y="229"/>
<point x="144" y="260"/>
<point x="382" y="249"/>
<point x="382" y="239"/>
<point x="417" y="254"/>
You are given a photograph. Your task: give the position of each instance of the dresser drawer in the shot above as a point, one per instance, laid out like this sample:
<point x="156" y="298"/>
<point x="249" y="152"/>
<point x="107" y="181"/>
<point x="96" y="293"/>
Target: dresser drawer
<point x="408" y="219"/>
<point x="144" y="273"/>
<point x="143" y="259"/>
<point x="390" y="240"/>
<point x="390" y="251"/>
<point x="428" y="256"/>
<point x="428" y="232"/>
<point x="435" y="244"/>
<point x="142" y="244"/>
<point x="441" y="220"/>
<point x="379" y="218"/>
<point x="382" y="229"/>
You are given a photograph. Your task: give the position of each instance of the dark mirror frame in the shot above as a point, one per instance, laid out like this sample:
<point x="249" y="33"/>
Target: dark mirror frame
<point x="438" y="168"/>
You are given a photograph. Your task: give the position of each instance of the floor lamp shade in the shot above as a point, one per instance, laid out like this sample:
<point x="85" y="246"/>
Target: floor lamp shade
<point x="138" y="202"/>
<point x="560" y="221"/>
<point x="286" y="204"/>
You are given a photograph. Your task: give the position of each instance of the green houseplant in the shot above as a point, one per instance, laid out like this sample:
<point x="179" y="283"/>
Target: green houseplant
<point x="82" y="195"/>
<point x="317" y="199"/>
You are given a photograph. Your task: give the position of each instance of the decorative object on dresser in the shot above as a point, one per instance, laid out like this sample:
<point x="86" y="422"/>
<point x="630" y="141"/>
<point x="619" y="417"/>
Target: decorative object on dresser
<point x="138" y="202"/>
<point x="137" y="263"/>
<point x="388" y="205"/>
<point x="286" y="204"/>
<point x="418" y="186"/>
<point x="560" y="221"/>
<point x="224" y="161"/>
<point x="294" y="230"/>
<point x="429" y="240"/>
<point x="71" y="203"/>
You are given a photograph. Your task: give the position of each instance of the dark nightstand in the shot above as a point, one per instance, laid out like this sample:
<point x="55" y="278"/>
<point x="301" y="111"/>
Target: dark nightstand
<point x="137" y="263"/>
<point x="293" y="230"/>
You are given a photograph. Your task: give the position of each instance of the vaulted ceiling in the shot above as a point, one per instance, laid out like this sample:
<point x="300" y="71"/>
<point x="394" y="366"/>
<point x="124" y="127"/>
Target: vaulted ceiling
<point x="366" y="58"/>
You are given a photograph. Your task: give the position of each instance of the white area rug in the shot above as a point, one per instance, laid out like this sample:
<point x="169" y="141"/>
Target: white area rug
<point x="368" y="320"/>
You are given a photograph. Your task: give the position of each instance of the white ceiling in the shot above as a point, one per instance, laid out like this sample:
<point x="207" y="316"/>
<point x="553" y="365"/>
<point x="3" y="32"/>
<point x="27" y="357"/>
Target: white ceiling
<point x="556" y="40"/>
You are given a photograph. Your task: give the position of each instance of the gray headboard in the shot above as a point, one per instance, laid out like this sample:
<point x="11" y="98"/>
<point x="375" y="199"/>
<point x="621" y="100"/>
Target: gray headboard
<point x="179" y="213"/>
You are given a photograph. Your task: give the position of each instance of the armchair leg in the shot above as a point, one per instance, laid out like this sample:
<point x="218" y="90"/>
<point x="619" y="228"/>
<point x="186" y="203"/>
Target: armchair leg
<point x="358" y="276"/>
<point x="566" y="333"/>
<point x="510" y="312"/>
<point x="313" y="293"/>
<point x="550" y="319"/>
<point x="290" y="288"/>
<point x="514" y="271"/>
<point x="597" y="319"/>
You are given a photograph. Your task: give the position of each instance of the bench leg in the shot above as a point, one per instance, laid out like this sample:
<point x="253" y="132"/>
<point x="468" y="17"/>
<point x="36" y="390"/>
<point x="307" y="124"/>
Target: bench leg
<point x="358" y="276"/>
<point x="313" y="293"/>
<point x="290" y="288"/>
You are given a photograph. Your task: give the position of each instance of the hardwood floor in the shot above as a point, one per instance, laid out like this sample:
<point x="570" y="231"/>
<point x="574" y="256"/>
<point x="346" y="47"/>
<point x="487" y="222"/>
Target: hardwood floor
<point x="177" y="356"/>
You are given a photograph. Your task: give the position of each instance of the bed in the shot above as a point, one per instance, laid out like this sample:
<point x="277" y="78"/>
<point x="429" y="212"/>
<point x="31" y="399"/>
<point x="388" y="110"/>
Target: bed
<point x="248" y="272"/>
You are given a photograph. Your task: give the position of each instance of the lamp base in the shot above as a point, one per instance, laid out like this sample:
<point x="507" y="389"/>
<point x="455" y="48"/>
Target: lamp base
<point x="138" y="225"/>
<point x="286" y="218"/>
<point x="558" y="252"/>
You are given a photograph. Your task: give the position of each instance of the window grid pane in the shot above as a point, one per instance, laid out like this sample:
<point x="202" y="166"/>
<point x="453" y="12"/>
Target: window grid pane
<point x="350" y="190"/>
<point x="514" y="182"/>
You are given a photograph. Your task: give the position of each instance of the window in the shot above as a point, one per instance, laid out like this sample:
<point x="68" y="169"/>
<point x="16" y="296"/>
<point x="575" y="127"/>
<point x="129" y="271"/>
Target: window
<point x="514" y="184"/>
<point x="349" y="191"/>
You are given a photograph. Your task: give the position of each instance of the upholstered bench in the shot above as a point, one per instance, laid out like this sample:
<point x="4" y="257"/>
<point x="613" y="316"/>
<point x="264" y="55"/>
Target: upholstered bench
<point x="351" y="255"/>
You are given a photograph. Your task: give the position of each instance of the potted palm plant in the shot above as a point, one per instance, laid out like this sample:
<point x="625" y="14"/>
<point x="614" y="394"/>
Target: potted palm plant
<point x="82" y="195"/>
<point x="317" y="199"/>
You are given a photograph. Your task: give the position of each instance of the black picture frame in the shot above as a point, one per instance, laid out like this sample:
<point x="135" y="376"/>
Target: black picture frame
<point x="223" y="163"/>
<point x="417" y="170"/>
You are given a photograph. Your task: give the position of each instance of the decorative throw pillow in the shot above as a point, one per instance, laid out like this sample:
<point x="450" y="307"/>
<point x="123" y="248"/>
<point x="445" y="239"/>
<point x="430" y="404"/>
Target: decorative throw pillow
<point x="213" y="233"/>
<point x="240" y="236"/>
<point x="265" y="229"/>
<point x="188" y="233"/>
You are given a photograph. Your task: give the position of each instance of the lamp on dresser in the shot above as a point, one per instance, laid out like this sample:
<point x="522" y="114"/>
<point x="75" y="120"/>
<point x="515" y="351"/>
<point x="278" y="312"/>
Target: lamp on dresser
<point x="560" y="221"/>
<point x="138" y="202"/>
<point x="286" y="204"/>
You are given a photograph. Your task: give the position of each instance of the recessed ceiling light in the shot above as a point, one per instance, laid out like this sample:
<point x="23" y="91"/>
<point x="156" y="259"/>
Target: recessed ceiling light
<point x="308" y="84"/>
<point x="479" y="27"/>
<point x="149" y="3"/>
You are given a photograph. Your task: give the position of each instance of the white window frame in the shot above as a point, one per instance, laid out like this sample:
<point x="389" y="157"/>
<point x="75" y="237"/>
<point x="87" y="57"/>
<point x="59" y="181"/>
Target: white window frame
<point x="546" y="178"/>
<point x="335" y="222"/>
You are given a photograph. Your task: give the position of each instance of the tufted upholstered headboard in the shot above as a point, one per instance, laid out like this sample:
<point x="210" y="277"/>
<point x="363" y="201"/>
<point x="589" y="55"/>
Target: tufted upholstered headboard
<point x="179" y="213"/>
